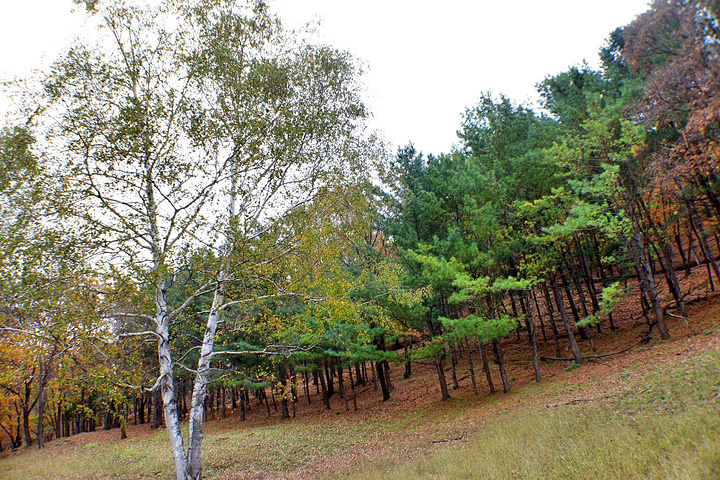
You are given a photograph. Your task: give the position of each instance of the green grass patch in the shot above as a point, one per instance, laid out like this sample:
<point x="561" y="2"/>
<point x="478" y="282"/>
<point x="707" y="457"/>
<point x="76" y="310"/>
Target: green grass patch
<point x="572" y="366"/>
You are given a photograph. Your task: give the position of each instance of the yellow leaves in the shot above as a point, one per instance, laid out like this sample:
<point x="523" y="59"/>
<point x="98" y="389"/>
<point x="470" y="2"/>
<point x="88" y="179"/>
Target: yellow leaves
<point x="276" y="324"/>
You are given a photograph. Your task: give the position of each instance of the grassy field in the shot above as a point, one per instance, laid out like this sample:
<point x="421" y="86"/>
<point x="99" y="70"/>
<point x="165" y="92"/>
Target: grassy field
<point x="663" y="426"/>
<point x="629" y="422"/>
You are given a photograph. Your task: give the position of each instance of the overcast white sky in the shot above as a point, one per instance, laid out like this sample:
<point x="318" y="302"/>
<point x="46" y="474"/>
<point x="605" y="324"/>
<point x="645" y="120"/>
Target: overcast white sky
<point x="426" y="60"/>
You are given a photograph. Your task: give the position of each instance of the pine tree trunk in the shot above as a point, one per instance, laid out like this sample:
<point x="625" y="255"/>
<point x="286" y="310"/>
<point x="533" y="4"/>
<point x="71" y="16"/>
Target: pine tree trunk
<point x="325" y="396"/>
<point x="573" y="308"/>
<point x="525" y="304"/>
<point x="267" y="401"/>
<point x="472" y="369"/>
<point x="306" y="378"/>
<point x="588" y="278"/>
<point x="329" y="377"/>
<point x="282" y="377"/>
<point x="341" y="387"/>
<point x="500" y="358"/>
<point x="352" y="386"/>
<point x="316" y="382"/>
<point x="453" y="369"/>
<point x="408" y="363"/>
<point x="681" y="250"/>
<point x="360" y="378"/>
<point x="379" y="367"/>
<point x="486" y="368"/>
<point x="664" y="256"/>
<point x="439" y="361"/>
<point x="537" y="308"/>
<point x="391" y="387"/>
<point x="697" y="228"/>
<point x="636" y="246"/>
<point x="553" y="325"/>
<point x="242" y="404"/>
<point x="292" y="380"/>
<point x="566" y="321"/>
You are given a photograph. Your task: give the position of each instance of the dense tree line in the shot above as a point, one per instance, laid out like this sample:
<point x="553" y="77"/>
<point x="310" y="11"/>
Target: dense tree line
<point x="196" y="196"/>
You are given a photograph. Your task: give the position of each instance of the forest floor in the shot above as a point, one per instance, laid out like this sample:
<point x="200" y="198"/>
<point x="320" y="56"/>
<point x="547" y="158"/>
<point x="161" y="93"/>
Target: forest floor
<point x="405" y="436"/>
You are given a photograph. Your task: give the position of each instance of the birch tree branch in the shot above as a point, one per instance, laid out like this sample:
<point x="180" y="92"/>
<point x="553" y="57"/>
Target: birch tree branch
<point x="140" y="334"/>
<point x="285" y="350"/>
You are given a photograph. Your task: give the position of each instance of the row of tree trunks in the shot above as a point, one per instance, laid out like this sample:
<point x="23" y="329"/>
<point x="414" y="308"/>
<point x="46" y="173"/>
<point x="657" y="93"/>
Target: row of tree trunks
<point x="581" y="281"/>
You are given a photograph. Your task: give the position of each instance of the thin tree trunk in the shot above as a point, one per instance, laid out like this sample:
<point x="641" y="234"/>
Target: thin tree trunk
<point x="681" y="250"/>
<point x="453" y="369"/>
<point x="352" y="386"/>
<point x="306" y="377"/>
<point x="588" y="278"/>
<point x="553" y="325"/>
<point x="486" y="367"/>
<point x="267" y="401"/>
<point x="386" y="367"/>
<point x="45" y="372"/>
<point x="242" y="404"/>
<point x="537" y="307"/>
<point x="341" y="387"/>
<point x="439" y="360"/>
<point x="26" y="408"/>
<point x="697" y="228"/>
<point x="472" y="368"/>
<point x="573" y="308"/>
<point x="282" y="377"/>
<point x="325" y="396"/>
<point x="330" y="379"/>
<point x="500" y="358"/>
<point x="664" y="256"/>
<point x="408" y="362"/>
<point x="525" y="304"/>
<point x="379" y="367"/>
<point x="642" y="262"/>
<point x="292" y="380"/>
<point x="566" y="321"/>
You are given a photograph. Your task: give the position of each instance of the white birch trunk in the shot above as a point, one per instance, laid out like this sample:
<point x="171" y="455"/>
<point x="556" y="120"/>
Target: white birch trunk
<point x="202" y="377"/>
<point x="162" y="324"/>
<point x="167" y="384"/>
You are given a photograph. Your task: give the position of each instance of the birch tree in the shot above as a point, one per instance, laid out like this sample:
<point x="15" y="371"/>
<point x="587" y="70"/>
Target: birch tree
<point x="199" y="127"/>
<point x="126" y="108"/>
<point x="286" y="114"/>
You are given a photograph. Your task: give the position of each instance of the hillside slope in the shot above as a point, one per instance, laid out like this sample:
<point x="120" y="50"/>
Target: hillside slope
<point x="538" y="426"/>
